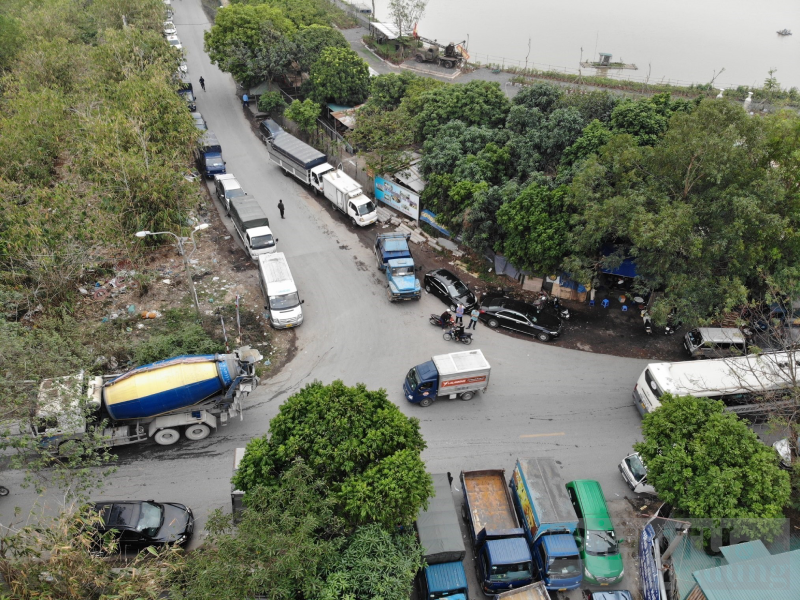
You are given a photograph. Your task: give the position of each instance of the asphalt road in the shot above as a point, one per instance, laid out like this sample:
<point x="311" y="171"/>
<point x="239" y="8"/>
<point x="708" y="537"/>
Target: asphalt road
<point x="542" y="400"/>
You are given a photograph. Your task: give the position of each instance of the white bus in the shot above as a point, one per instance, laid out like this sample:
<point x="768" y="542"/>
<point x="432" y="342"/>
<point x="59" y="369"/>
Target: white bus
<point x="741" y="382"/>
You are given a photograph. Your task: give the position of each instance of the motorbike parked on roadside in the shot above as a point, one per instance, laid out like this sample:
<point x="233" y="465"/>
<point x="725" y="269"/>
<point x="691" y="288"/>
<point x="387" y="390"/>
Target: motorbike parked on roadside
<point x="458" y="334"/>
<point x="545" y="299"/>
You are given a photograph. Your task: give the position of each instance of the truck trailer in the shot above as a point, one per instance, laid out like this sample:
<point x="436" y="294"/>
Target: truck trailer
<point x="347" y="196"/>
<point x="502" y="556"/>
<point x="455" y="375"/>
<point x="185" y="395"/>
<point x="440" y="537"/>
<point x="252" y="225"/>
<point x="299" y="160"/>
<point x="549" y="520"/>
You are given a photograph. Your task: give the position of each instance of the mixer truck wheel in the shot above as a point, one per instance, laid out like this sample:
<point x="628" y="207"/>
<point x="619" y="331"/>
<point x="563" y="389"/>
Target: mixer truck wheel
<point x="167" y="437"/>
<point x="197" y="432"/>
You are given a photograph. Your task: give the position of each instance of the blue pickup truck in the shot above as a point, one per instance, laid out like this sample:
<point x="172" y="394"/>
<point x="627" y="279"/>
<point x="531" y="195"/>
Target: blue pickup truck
<point x="395" y="260"/>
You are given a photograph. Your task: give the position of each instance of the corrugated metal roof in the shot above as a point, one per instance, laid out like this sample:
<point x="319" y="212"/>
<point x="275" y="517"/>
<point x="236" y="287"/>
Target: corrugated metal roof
<point x="774" y="577"/>
<point x="508" y="551"/>
<point x="446" y="577"/>
<point x="745" y="551"/>
<point x="561" y="544"/>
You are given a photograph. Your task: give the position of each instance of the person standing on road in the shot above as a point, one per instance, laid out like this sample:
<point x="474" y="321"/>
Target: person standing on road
<point x="473" y="316"/>
<point x="202" y="83"/>
<point x="280" y="208"/>
<point x="245" y="101"/>
<point x="460" y="314"/>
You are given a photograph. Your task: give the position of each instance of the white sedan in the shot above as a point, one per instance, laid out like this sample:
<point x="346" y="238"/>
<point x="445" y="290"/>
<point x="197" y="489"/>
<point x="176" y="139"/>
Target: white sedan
<point x="169" y="28"/>
<point x="174" y="41"/>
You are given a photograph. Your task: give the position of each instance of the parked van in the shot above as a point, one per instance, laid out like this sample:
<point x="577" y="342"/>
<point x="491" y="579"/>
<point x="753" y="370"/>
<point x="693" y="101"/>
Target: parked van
<point x="595" y="535"/>
<point x="280" y="292"/>
<point x="715" y="342"/>
<point x="252" y="225"/>
<point x="227" y="188"/>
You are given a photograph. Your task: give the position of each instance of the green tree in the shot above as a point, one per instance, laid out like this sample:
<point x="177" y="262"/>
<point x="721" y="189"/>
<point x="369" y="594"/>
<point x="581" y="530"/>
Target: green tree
<point x="340" y="76"/>
<point x="285" y="542"/>
<point x="597" y="104"/>
<point x="535" y="228"/>
<point x="312" y="40"/>
<point x="383" y="137"/>
<point x="641" y="119"/>
<point x="11" y="39"/>
<point x="543" y="96"/>
<point x="593" y="137"/>
<point x="375" y="564"/>
<point x="271" y="103"/>
<point x="352" y="439"/>
<point x="388" y="90"/>
<point x="708" y="464"/>
<point x="406" y="13"/>
<point x="304" y="113"/>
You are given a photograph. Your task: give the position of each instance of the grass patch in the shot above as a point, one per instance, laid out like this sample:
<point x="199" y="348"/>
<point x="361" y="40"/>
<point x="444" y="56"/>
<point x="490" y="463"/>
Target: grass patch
<point x="180" y="333"/>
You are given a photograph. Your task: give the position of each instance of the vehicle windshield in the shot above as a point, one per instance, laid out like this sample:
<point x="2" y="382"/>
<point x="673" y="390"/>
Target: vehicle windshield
<point x="174" y="42"/>
<point x="400" y="271"/>
<point x="511" y="572"/>
<point x="457" y="289"/>
<point x="284" y="302"/>
<point x="149" y="518"/>
<point x="262" y="241"/>
<point x="187" y="95"/>
<point x="367" y="208"/>
<point x="564" y="567"/>
<point x="412" y="379"/>
<point x="214" y="161"/>
<point x="235" y="193"/>
<point x="637" y="468"/>
<point x="695" y="337"/>
<point x="601" y="543"/>
<point x="656" y="391"/>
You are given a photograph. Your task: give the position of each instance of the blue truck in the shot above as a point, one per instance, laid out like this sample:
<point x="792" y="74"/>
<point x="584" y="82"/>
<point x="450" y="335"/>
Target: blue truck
<point x="440" y="536"/>
<point x="502" y="556"/>
<point x="209" y="156"/>
<point x="395" y="260"/>
<point x="546" y="513"/>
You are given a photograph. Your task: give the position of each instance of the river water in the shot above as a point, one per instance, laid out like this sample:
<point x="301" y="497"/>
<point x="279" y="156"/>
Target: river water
<point x="681" y="41"/>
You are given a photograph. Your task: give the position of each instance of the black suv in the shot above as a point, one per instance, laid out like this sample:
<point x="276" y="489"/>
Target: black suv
<point x="449" y="288"/>
<point x="501" y="311"/>
<point x="141" y="523"/>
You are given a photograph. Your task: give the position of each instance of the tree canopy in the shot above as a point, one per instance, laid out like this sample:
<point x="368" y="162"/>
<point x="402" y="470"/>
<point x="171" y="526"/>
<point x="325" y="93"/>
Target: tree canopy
<point x="356" y="441"/>
<point x="708" y="464"/>
<point x="341" y="76"/>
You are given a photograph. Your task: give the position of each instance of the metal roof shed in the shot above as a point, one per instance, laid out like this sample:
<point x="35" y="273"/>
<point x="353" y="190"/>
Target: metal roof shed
<point x="772" y="577"/>
<point x="384" y="30"/>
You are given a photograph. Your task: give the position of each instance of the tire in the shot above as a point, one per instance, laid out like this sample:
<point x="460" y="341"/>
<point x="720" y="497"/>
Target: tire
<point x="467" y="396"/>
<point x="467" y="340"/>
<point x="378" y="260"/>
<point x="425" y="402"/>
<point x="389" y="294"/>
<point x="197" y="432"/>
<point x="167" y="437"/>
<point x="428" y="288"/>
<point x="447" y="336"/>
<point x="3" y="491"/>
<point x="448" y="65"/>
<point x="543" y="337"/>
<point x="316" y="190"/>
<point x="285" y="172"/>
<point x="493" y="323"/>
<point x="353" y="221"/>
<point x="419" y="58"/>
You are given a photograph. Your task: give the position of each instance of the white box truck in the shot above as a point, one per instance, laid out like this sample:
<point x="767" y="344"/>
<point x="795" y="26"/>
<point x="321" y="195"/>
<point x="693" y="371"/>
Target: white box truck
<point x="280" y="292"/>
<point x="252" y="225"/>
<point x="456" y="375"/>
<point x="347" y="196"/>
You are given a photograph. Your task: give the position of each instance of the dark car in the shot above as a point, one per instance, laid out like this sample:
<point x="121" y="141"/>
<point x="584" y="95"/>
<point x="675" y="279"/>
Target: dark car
<point x="141" y="523"/>
<point x="449" y="289"/>
<point x="269" y="130"/>
<point x="502" y="311"/>
<point x="187" y="93"/>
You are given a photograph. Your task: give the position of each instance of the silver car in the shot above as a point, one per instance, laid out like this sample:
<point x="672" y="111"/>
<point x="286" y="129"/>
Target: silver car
<point x="635" y="474"/>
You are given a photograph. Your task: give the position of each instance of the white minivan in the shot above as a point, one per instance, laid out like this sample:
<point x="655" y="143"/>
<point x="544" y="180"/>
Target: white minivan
<point x="283" y="302"/>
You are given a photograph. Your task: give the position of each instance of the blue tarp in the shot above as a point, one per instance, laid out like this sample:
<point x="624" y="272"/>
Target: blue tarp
<point x="565" y="282"/>
<point x="627" y="267"/>
<point x="430" y="218"/>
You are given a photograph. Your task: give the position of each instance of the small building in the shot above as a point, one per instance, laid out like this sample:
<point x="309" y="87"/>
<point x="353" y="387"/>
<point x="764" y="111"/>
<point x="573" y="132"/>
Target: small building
<point x="383" y="32"/>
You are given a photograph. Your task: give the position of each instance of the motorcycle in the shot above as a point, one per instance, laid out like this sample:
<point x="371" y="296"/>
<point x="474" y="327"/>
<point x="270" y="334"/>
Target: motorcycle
<point x="463" y="337"/>
<point x="545" y="299"/>
<point x="3" y="491"/>
<point x="436" y="320"/>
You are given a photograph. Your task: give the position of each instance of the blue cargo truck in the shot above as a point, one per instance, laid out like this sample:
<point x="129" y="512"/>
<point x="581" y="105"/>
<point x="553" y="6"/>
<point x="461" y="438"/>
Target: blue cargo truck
<point x="209" y="156"/>
<point x="395" y="260"/>
<point x="440" y="536"/>
<point x="502" y="557"/>
<point x="549" y="520"/>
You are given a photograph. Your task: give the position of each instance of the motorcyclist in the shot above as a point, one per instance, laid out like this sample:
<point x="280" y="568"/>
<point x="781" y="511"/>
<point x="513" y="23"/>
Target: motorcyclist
<point x="458" y="331"/>
<point x="445" y="319"/>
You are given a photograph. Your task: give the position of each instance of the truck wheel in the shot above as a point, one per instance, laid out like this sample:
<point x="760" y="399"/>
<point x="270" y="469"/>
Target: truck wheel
<point x="353" y="221"/>
<point x="493" y="323"/>
<point x="316" y="190"/>
<point x="166" y="437"/>
<point x="447" y="336"/>
<point x="419" y="58"/>
<point x="448" y="64"/>
<point x="543" y="337"/>
<point x="467" y="396"/>
<point x="389" y="293"/>
<point x="285" y="172"/>
<point x="200" y="431"/>
<point x="426" y="402"/>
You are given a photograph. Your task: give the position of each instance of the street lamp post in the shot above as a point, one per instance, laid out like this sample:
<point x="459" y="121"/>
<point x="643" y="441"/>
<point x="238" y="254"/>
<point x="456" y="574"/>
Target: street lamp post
<point x="142" y="234"/>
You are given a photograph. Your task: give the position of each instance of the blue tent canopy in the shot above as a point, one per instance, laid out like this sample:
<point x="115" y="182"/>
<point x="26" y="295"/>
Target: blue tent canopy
<point x="627" y="268"/>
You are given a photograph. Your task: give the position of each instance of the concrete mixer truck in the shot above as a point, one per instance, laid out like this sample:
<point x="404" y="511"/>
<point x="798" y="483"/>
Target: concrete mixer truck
<point x="184" y="395"/>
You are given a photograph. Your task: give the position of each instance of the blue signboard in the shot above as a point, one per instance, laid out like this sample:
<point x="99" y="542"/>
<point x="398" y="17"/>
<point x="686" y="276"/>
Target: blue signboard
<point x="647" y="564"/>
<point x="430" y="218"/>
<point x="398" y="197"/>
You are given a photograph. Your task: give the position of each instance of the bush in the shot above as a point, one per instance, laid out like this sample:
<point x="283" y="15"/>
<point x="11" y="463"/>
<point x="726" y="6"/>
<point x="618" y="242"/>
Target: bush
<point x="271" y="103"/>
<point x="182" y="336"/>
